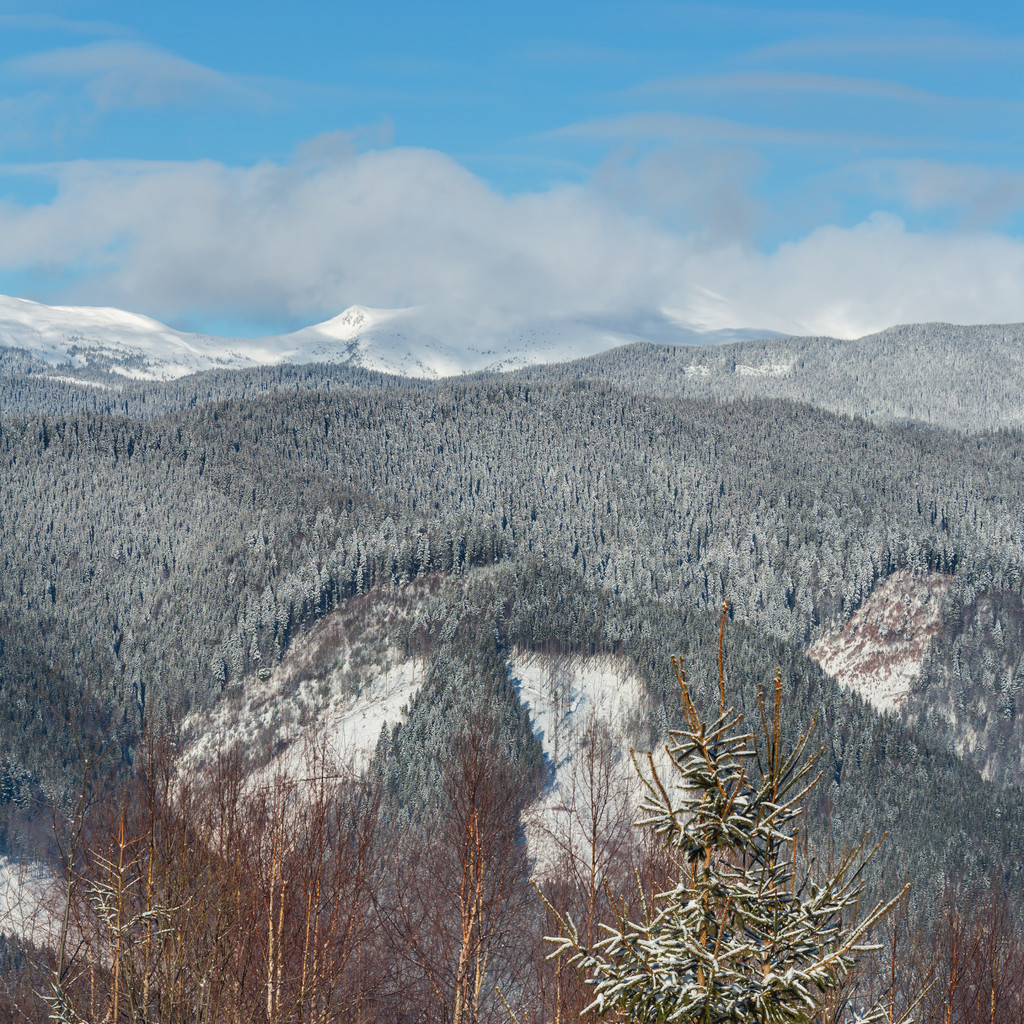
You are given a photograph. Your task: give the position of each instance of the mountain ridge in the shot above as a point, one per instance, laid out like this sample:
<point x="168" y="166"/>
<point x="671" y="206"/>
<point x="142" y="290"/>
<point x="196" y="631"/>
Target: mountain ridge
<point x="397" y="341"/>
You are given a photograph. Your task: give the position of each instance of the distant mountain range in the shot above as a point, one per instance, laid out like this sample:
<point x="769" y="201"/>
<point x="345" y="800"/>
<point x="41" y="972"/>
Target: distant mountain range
<point x="963" y="378"/>
<point x="398" y="341"/>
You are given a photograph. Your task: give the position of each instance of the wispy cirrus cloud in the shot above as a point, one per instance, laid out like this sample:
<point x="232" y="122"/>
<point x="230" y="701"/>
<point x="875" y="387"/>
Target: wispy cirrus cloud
<point x="697" y="128"/>
<point x="961" y="46"/>
<point x="562" y="52"/>
<point x="119" y="74"/>
<point x="55" y="23"/>
<point x="800" y="82"/>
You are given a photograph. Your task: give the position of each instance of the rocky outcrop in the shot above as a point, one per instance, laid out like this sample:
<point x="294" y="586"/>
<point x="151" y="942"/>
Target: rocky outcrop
<point x="882" y="648"/>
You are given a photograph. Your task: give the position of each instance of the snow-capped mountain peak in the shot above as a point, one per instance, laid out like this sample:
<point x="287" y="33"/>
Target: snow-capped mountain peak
<point x="400" y="341"/>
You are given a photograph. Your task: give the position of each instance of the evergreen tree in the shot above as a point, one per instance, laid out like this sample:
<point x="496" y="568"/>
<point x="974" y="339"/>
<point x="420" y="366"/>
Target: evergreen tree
<point x="746" y="933"/>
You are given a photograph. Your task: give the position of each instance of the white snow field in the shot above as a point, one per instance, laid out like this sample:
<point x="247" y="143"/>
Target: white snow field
<point x="339" y="683"/>
<point x="274" y="720"/>
<point x="397" y="341"/>
<point x="28" y="896"/>
<point x="349" y="727"/>
<point x="588" y="714"/>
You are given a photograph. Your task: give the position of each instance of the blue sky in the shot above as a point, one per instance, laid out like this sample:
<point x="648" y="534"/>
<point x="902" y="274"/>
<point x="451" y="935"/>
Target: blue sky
<point x="255" y="167"/>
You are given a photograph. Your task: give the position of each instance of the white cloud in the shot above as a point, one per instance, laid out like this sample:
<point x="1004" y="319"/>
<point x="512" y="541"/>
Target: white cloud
<point x="851" y="281"/>
<point x="402" y="227"/>
<point x="390" y="228"/>
<point x="694" y="188"/>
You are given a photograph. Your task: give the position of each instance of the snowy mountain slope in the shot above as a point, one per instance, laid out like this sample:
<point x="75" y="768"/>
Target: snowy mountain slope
<point x="958" y="377"/>
<point x="140" y="347"/>
<point x="588" y="713"/>
<point x="563" y="694"/>
<point x="398" y="341"/>
<point x="339" y="685"/>
<point x="946" y="658"/>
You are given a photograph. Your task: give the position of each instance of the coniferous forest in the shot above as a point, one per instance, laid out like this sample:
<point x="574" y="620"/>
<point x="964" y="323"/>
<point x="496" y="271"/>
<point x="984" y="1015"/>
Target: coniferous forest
<point x="167" y="548"/>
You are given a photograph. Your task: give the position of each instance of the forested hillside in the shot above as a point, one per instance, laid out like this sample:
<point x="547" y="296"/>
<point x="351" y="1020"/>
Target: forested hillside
<point x="166" y="556"/>
<point x="220" y="531"/>
<point x="964" y="378"/>
<point x="164" y="547"/>
<point x="945" y="375"/>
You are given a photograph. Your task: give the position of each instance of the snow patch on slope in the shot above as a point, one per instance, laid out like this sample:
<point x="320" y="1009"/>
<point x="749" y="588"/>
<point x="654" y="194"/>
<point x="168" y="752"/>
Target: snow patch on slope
<point x="588" y="713"/>
<point x="28" y="895"/>
<point x="881" y="650"/>
<point x="347" y="731"/>
<point x="764" y="370"/>
<point x="99" y="385"/>
<point x="339" y="684"/>
<point x="562" y="692"/>
<point x="272" y="719"/>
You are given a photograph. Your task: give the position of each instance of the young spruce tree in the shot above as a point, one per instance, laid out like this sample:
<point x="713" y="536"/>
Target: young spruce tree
<point x="746" y="935"/>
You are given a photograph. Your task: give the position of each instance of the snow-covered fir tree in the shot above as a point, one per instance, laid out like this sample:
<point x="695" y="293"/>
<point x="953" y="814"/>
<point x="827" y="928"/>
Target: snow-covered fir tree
<point x="747" y="933"/>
